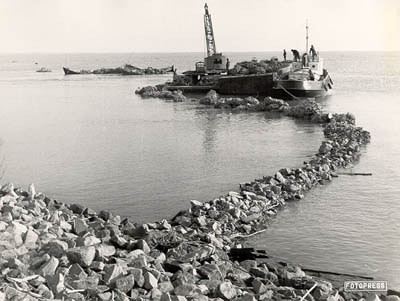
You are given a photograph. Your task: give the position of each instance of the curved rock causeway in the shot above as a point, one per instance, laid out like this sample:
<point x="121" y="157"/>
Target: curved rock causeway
<point x="52" y="250"/>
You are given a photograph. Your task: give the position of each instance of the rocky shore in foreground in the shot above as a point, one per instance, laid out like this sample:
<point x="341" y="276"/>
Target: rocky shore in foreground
<point x="52" y="250"/>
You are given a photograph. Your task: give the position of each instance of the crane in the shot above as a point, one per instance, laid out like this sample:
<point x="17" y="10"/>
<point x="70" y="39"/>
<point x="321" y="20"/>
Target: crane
<point x="210" y="41"/>
<point x="214" y="63"/>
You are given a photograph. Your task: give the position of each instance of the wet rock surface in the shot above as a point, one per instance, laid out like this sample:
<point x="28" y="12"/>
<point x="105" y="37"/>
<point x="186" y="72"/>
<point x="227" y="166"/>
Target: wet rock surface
<point x="52" y="250"/>
<point x="126" y="69"/>
<point x="160" y="91"/>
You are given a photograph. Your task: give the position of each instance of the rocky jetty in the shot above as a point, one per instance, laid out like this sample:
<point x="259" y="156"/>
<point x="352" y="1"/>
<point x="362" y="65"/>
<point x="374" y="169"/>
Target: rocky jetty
<point x="127" y="69"/>
<point x="160" y="91"/>
<point x="52" y="250"/>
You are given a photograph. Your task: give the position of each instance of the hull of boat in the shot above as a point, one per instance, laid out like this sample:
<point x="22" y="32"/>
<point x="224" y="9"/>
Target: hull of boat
<point x="69" y="71"/>
<point x="302" y="88"/>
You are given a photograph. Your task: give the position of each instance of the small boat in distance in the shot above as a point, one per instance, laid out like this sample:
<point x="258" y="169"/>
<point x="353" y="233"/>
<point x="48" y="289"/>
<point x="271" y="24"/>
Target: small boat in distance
<point x="69" y="71"/>
<point x="43" y="69"/>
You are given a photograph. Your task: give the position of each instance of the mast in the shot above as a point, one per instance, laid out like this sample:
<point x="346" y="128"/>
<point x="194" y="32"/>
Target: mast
<point x="306" y="35"/>
<point x="210" y="41"/>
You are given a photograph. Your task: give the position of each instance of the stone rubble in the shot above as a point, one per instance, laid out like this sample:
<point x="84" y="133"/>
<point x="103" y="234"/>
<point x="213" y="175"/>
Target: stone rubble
<point x="52" y="250"/>
<point x="160" y="91"/>
<point x="258" y="67"/>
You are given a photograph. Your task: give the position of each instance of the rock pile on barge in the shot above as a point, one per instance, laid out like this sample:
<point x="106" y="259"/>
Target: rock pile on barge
<point x="52" y="250"/>
<point x="258" y="67"/>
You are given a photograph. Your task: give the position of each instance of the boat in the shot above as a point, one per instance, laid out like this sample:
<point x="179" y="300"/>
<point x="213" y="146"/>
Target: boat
<point x="69" y="71"/>
<point x="303" y="79"/>
<point x="43" y="69"/>
<point x="281" y="79"/>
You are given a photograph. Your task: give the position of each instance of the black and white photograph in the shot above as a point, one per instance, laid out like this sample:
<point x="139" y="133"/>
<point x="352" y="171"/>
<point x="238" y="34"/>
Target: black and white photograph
<point x="200" y="150"/>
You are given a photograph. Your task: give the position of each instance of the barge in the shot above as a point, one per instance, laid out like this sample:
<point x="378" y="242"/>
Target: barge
<point x="287" y="79"/>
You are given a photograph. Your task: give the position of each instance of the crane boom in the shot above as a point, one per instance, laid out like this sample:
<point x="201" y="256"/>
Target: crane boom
<point x="211" y="50"/>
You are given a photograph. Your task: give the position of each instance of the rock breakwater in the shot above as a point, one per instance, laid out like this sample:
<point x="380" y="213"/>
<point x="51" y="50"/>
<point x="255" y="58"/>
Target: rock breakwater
<point x="52" y="250"/>
<point x="160" y="91"/>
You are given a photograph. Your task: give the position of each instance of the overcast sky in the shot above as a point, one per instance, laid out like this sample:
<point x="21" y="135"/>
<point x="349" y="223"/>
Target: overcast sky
<point x="177" y="25"/>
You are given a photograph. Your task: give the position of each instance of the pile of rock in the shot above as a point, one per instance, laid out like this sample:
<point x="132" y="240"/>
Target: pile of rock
<point x="128" y="69"/>
<point x="51" y="250"/>
<point x="236" y="103"/>
<point x="160" y="91"/>
<point x="257" y="67"/>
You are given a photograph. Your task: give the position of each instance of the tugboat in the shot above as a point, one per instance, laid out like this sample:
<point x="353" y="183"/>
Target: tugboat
<point x="307" y="78"/>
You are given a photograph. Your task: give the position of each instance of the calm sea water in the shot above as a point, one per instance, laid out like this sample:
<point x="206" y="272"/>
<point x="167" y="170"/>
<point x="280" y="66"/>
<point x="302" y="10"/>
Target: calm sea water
<point x="90" y="139"/>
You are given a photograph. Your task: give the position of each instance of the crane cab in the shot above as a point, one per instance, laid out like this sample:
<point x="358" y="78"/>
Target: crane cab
<point x="216" y="63"/>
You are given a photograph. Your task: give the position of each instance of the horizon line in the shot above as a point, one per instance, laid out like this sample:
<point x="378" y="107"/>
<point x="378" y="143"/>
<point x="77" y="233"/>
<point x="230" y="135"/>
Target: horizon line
<point x="171" y="52"/>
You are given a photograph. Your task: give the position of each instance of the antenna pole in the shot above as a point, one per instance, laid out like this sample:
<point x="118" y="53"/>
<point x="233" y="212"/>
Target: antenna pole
<point x="307" y="36"/>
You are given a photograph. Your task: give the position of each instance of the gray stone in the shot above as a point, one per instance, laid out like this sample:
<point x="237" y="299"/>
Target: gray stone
<point x="135" y="254"/>
<point x="155" y="294"/>
<point x="166" y="286"/>
<point x="248" y="264"/>
<point x="45" y="291"/>
<point x="125" y="284"/>
<point x="79" y="226"/>
<point x="272" y="277"/>
<point x="30" y="238"/>
<point x="210" y="271"/>
<point x="138" y="276"/>
<point x="76" y="272"/>
<point x="56" y="283"/>
<point x="246" y="297"/>
<point x="280" y="177"/>
<point x="112" y="272"/>
<point x="259" y="272"/>
<point x="150" y="281"/>
<point x="18" y="230"/>
<point x="82" y="255"/>
<point x="258" y="286"/>
<point x="226" y="291"/>
<point x="107" y="296"/>
<point x="187" y="290"/>
<point x="142" y="245"/>
<point x="56" y="248"/>
<point x="14" y="263"/>
<point x="88" y="240"/>
<point x="48" y="268"/>
<point x="97" y="266"/>
<point x="104" y="250"/>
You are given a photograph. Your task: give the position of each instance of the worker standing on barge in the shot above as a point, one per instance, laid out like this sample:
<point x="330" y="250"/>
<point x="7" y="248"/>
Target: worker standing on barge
<point x="296" y="55"/>
<point x="284" y="55"/>
<point x="313" y="52"/>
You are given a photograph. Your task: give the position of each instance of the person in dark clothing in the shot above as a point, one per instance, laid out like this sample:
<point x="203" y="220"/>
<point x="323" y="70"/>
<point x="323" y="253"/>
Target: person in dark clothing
<point x="227" y="65"/>
<point x="284" y="55"/>
<point x="304" y="60"/>
<point x="296" y="55"/>
<point x="311" y="75"/>
<point x="313" y="52"/>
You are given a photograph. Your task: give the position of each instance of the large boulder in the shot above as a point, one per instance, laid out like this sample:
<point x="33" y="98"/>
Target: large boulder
<point x="83" y="256"/>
